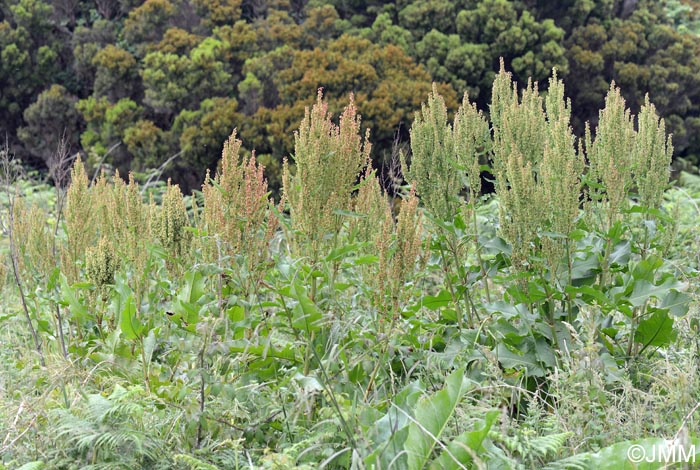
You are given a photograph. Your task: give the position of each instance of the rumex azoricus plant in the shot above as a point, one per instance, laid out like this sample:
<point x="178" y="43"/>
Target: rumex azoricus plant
<point x="35" y="250"/>
<point x="372" y="207"/>
<point x="397" y="243"/>
<point x="445" y="161"/>
<point x="519" y="134"/>
<point x="101" y="263"/>
<point x="610" y="160"/>
<point x="402" y="265"/>
<point x="432" y="166"/>
<point x="652" y="157"/>
<point x="169" y="222"/>
<point x="537" y="171"/>
<point x="472" y="139"/>
<point x="560" y="177"/>
<point x="238" y="210"/>
<point x="328" y="160"/>
<point x="445" y="157"/>
<point x="124" y="220"/>
<point x="79" y="216"/>
<point x="625" y="162"/>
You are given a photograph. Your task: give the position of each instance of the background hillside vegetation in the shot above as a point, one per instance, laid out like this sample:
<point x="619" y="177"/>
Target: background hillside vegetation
<point x="140" y="85"/>
<point x="551" y="324"/>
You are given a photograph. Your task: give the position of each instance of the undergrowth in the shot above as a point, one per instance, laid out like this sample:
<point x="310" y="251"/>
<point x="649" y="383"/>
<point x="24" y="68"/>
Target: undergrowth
<point x="550" y="325"/>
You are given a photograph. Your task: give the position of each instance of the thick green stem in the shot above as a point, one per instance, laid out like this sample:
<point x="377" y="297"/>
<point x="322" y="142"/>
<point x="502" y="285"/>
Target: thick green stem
<point x="484" y="275"/>
<point x="450" y="287"/>
<point x="146" y="372"/>
<point x="569" y="266"/>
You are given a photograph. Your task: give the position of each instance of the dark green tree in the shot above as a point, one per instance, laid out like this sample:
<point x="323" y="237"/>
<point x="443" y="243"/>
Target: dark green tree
<point x="50" y="120"/>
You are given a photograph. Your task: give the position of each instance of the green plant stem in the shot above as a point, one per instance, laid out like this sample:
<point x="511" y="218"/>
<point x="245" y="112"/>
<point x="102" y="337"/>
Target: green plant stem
<point x="310" y="350"/>
<point x="61" y="196"/>
<point x="569" y="265"/>
<point x="146" y="379"/>
<point x="20" y="287"/>
<point x="381" y="360"/>
<point x="550" y="308"/>
<point x="450" y="286"/>
<point x="484" y="275"/>
<point x="202" y="384"/>
<point x="289" y="318"/>
<point x="326" y="385"/>
<point x="454" y="249"/>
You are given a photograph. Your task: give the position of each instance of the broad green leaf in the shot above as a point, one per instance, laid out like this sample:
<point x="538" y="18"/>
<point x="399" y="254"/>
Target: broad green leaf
<point x="507" y="309"/>
<point x="236" y="313"/>
<point x="649" y="454"/>
<point x="509" y="331"/>
<point x="659" y="214"/>
<point x="342" y="251"/>
<point x="365" y="259"/>
<point x="644" y="290"/>
<point x="621" y="253"/>
<point x="644" y="270"/>
<point x="512" y="360"/>
<point x="677" y="303"/>
<point x="70" y="298"/>
<point x="545" y="353"/>
<point x="656" y="330"/>
<point x="457" y="452"/>
<point x="390" y="453"/>
<point x="36" y="465"/>
<point x="395" y="419"/>
<point x="430" y="302"/>
<point x="589" y="293"/>
<point x="497" y="245"/>
<point x="149" y="345"/>
<point x="584" y="268"/>
<point x="532" y="294"/>
<point x="287" y="352"/>
<point x="309" y="383"/>
<point x="306" y="313"/>
<point x="193" y="289"/>
<point x="577" y="234"/>
<point x="432" y="415"/>
<point x="186" y="314"/>
<point x="128" y="321"/>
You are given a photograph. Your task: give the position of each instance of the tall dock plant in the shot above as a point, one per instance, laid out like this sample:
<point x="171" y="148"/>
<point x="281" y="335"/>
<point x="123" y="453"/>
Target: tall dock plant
<point x="438" y="184"/>
<point x="628" y="160"/>
<point x="560" y="179"/>
<point x="653" y="151"/>
<point x="625" y="160"/>
<point x="444" y="162"/>
<point x="538" y="181"/>
<point x="79" y="216"/>
<point x="169" y="222"/>
<point x="397" y="243"/>
<point x="9" y="172"/>
<point x="472" y="139"/>
<point x="519" y="130"/>
<point x="537" y="169"/>
<point x="610" y="157"/>
<point x="238" y="214"/>
<point x="372" y="206"/>
<point x="123" y="220"/>
<point x="328" y="160"/>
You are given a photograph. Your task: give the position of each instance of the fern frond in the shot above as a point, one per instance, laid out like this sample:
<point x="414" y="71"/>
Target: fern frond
<point x="544" y="446"/>
<point x="194" y="463"/>
<point x="575" y="462"/>
<point x="38" y="465"/>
